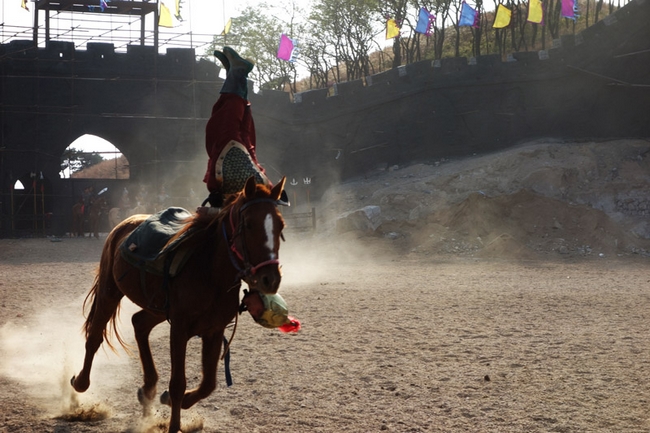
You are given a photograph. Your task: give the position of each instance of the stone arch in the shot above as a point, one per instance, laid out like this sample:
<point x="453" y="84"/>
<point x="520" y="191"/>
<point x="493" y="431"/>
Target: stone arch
<point x="114" y="166"/>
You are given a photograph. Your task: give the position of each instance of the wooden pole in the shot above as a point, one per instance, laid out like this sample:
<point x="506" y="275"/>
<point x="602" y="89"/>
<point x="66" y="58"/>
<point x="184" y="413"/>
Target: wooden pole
<point x="35" y="210"/>
<point x="13" y="222"/>
<point x="43" y="205"/>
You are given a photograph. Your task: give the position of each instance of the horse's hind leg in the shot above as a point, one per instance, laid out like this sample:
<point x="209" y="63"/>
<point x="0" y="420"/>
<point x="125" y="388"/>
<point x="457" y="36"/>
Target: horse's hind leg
<point x="143" y="323"/>
<point x="101" y="313"/>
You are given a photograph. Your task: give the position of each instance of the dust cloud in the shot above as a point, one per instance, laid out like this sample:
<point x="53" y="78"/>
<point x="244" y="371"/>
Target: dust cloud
<point x="43" y="355"/>
<point x="309" y="258"/>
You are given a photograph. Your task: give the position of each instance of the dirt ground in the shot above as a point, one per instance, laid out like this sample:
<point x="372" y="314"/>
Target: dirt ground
<point x="504" y="293"/>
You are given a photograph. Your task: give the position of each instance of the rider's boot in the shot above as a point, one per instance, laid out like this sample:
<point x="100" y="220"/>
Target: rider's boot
<point x="237" y="77"/>
<point x="223" y="59"/>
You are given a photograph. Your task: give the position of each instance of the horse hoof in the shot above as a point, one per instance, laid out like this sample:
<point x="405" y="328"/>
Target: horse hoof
<point x="72" y="380"/>
<point x="141" y="398"/>
<point x="165" y="399"/>
<point x="145" y="402"/>
<point x="78" y="387"/>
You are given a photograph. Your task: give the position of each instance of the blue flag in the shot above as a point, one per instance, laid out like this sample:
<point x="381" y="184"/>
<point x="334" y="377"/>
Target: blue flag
<point x="468" y="16"/>
<point x="425" y="19"/>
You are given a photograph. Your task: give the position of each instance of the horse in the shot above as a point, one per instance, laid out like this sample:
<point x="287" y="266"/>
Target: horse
<point x="96" y="209"/>
<point x="114" y="217"/>
<point x="239" y="243"/>
<point x="77" y="219"/>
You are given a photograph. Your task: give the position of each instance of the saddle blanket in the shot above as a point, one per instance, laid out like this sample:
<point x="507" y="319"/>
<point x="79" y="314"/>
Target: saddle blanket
<point x="146" y="247"/>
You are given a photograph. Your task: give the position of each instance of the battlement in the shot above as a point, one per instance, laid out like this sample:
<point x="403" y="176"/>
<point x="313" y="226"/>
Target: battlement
<point x="101" y="59"/>
<point x="61" y="58"/>
<point x="597" y="41"/>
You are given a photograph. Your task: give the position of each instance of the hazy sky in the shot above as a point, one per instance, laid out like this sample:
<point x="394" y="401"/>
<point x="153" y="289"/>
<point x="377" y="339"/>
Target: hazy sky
<point x="200" y="16"/>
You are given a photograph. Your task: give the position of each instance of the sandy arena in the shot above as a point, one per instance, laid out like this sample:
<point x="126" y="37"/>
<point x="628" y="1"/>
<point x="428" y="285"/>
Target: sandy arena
<point x="451" y="311"/>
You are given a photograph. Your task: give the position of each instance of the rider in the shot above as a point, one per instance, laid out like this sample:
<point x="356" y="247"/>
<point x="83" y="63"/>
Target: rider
<point x="230" y="134"/>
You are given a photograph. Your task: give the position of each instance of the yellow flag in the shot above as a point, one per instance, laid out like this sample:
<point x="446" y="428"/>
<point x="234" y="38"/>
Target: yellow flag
<point x="392" y="29"/>
<point x="535" y="11"/>
<point x="226" y="29"/>
<point x="165" y="19"/>
<point x="24" y="5"/>
<point x="503" y="17"/>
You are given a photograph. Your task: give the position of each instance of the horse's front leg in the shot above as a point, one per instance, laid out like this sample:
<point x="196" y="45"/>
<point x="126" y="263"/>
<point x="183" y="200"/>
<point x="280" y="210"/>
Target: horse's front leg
<point x="209" y="358"/>
<point x="178" y="381"/>
<point x="143" y="323"/>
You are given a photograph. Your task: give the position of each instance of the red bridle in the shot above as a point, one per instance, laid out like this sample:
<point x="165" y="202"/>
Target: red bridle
<point x="237" y="230"/>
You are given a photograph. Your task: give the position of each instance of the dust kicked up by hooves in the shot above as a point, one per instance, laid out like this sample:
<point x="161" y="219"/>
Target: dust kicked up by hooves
<point x="45" y="353"/>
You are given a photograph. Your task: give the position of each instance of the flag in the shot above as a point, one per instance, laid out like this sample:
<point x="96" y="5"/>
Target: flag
<point x="392" y="30"/>
<point x="502" y="18"/>
<point x="287" y="48"/>
<point x="178" y="11"/>
<point x="23" y="4"/>
<point x="468" y="16"/>
<point x="165" y="19"/>
<point x="535" y="12"/>
<point x="226" y="29"/>
<point x="425" y="19"/>
<point x="568" y="9"/>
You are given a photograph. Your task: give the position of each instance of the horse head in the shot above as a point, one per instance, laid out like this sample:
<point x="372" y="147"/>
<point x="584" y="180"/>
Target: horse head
<point x="256" y="225"/>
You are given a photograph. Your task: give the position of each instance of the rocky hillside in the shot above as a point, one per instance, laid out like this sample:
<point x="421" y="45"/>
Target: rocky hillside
<point x="544" y="197"/>
<point x="117" y="168"/>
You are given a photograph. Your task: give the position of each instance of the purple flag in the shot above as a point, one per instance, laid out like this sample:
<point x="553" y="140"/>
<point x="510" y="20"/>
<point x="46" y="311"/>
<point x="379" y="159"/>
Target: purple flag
<point x="286" y="48"/>
<point x="425" y="19"/>
<point x="568" y="9"/>
<point x="468" y="16"/>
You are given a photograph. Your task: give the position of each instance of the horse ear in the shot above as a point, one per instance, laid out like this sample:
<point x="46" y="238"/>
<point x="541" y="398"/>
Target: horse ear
<point x="251" y="186"/>
<point x="276" y="192"/>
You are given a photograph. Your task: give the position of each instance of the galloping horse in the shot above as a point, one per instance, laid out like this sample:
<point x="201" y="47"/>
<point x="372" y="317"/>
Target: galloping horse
<point x="241" y="242"/>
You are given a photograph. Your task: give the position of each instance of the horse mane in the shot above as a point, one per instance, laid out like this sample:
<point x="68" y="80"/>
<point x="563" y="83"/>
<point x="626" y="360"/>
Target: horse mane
<point x="207" y="222"/>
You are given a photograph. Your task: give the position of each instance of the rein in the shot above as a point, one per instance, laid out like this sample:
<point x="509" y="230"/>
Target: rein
<point x="237" y="230"/>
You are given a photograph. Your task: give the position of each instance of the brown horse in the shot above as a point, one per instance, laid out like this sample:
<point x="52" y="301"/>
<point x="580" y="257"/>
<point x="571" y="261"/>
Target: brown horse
<point x="117" y="215"/>
<point x="241" y="242"/>
<point x="77" y="219"/>
<point x="98" y="207"/>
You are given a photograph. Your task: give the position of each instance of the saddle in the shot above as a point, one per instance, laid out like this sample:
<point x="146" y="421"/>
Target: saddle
<point x="148" y="247"/>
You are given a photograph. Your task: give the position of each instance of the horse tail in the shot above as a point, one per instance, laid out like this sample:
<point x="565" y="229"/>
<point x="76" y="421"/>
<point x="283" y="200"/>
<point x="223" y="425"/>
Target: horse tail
<point x="104" y="291"/>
